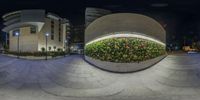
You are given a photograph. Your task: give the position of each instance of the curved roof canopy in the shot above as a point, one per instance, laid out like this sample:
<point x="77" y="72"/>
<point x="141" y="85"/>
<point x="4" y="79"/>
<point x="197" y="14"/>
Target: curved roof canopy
<point x="125" y="22"/>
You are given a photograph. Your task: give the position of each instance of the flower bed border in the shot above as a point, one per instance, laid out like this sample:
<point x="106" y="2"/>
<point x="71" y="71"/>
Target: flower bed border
<point x="123" y="67"/>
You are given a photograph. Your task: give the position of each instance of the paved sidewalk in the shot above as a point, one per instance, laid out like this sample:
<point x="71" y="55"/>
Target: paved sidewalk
<point x="35" y="57"/>
<point x="71" y="78"/>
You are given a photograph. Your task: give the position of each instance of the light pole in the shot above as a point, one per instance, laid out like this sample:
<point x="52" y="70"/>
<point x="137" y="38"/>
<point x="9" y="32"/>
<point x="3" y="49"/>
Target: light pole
<point x="65" y="47"/>
<point x="17" y="34"/>
<point x="46" y="35"/>
<point x="68" y="43"/>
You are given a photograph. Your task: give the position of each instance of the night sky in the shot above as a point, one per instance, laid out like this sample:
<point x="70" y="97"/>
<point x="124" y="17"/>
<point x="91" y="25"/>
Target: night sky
<point x="179" y="17"/>
<point x="74" y="9"/>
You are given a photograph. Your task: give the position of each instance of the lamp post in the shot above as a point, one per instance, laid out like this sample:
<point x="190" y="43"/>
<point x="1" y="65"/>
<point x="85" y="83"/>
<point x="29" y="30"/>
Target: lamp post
<point x="65" y="47"/>
<point x="17" y="34"/>
<point x="68" y="43"/>
<point x="46" y="35"/>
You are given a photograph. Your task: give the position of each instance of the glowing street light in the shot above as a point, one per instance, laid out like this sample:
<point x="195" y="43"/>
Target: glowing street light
<point x="17" y="34"/>
<point x="65" y="46"/>
<point x="46" y="35"/>
<point x="133" y="34"/>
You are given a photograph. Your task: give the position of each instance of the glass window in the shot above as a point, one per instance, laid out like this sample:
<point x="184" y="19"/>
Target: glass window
<point x="52" y="30"/>
<point x="52" y="21"/>
<point x="59" y="38"/>
<point x="59" y="32"/>
<point x="33" y="30"/>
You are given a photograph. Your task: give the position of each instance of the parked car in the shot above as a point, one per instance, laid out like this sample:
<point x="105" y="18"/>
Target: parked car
<point x="189" y="49"/>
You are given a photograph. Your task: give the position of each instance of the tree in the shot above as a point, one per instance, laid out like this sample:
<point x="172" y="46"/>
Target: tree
<point x="49" y="48"/>
<point x="54" y="48"/>
<point x="43" y="49"/>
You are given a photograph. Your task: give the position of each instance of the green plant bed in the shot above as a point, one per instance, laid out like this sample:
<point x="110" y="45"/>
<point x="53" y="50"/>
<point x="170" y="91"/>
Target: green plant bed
<point x="36" y="54"/>
<point x="124" y="50"/>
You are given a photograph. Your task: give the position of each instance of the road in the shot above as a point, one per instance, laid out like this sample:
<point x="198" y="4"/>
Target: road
<point x="71" y="78"/>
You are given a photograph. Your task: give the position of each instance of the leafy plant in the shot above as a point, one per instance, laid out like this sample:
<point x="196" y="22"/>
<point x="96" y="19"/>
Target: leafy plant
<point x="43" y="49"/>
<point x="54" y="47"/>
<point x="59" y="50"/>
<point x="36" y="54"/>
<point x="49" y="48"/>
<point x="124" y="50"/>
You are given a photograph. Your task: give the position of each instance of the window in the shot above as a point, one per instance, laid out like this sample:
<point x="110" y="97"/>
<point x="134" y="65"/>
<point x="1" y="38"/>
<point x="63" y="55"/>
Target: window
<point x="59" y="31"/>
<point x="52" y="22"/>
<point x="52" y="30"/>
<point x="15" y="31"/>
<point x="59" y="37"/>
<point x="33" y="30"/>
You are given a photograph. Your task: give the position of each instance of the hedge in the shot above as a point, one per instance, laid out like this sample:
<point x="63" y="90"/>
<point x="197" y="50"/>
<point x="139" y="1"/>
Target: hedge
<point x="37" y="54"/>
<point x="124" y="50"/>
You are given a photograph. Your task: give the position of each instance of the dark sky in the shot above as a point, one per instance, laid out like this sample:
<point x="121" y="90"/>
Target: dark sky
<point x="181" y="16"/>
<point x="74" y="9"/>
<point x="180" y="10"/>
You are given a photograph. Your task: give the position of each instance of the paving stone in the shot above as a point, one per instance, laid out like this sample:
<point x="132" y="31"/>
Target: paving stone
<point x="71" y="78"/>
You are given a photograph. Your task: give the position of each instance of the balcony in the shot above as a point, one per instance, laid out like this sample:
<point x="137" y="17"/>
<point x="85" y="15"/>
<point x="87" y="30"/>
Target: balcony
<point x="12" y="21"/>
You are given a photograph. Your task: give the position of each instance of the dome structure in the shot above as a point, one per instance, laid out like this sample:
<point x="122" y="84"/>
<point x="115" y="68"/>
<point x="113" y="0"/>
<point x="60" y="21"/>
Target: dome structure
<point x="124" y="42"/>
<point x="125" y="22"/>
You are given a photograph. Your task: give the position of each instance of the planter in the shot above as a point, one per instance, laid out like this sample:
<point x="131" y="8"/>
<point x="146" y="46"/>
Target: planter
<point x="124" y="52"/>
<point x="123" y="67"/>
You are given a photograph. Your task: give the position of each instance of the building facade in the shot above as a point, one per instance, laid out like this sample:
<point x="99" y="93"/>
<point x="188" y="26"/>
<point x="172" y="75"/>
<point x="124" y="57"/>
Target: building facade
<point x="78" y="34"/>
<point x="92" y="14"/>
<point x="32" y="25"/>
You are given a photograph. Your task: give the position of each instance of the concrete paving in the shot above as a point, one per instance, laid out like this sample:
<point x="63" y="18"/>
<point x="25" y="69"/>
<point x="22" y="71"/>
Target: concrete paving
<point x="71" y="78"/>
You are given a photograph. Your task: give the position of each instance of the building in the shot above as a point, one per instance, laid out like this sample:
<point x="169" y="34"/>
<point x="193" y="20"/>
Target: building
<point x="32" y="25"/>
<point x="92" y="14"/>
<point x="78" y="34"/>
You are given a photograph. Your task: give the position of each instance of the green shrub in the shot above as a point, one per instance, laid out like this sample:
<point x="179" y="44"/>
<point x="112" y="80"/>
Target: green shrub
<point x="54" y="47"/>
<point x="49" y="48"/>
<point x="43" y="49"/>
<point x="124" y="50"/>
<point x="59" y="50"/>
<point x="61" y="53"/>
<point x="36" y="54"/>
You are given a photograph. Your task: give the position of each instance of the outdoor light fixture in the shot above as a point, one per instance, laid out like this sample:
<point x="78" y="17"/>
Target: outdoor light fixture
<point x="65" y="47"/>
<point x="46" y="34"/>
<point x="17" y="34"/>
<point x="127" y="34"/>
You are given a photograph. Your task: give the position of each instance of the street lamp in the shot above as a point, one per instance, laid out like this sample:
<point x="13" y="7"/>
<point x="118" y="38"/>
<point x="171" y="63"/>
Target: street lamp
<point x="68" y="43"/>
<point x="65" y="47"/>
<point x="46" y="35"/>
<point x="17" y="34"/>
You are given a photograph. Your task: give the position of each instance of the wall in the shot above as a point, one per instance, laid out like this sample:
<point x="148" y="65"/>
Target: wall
<point x="92" y="14"/>
<point x="27" y="41"/>
<point x="34" y="42"/>
<point x="125" y="22"/>
<point x="51" y="43"/>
